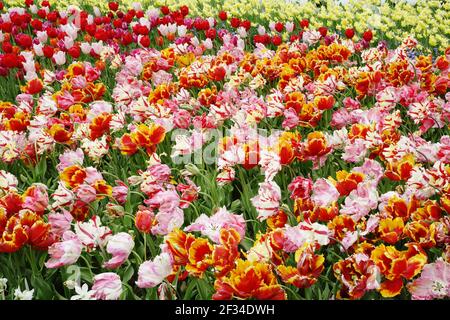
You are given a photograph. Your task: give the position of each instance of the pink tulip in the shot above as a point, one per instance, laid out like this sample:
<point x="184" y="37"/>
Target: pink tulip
<point x="36" y="198"/>
<point x="92" y="175"/>
<point x="300" y="188"/>
<point x="182" y="119"/>
<point x="324" y="193"/>
<point x="164" y="200"/>
<point x="92" y="233"/>
<point x="69" y="158"/>
<point x="86" y="193"/>
<point x="267" y="201"/>
<point x="355" y="151"/>
<point x="62" y="196"/>
<point x="371" y="169"/>
<point x="152" y="273"/>
<point x="66" y="252"/>
<point x="60" y="222"/>
<point x="433" y="283"/>
<point x="211" y="226"/>
<point x="167" y="221"/>
<point x="59" y="58"/>
<point x="120" y="192"/>
<point x="107" y="286"/>
<point x="305" y="232"/>
<point x="120" y="246"/>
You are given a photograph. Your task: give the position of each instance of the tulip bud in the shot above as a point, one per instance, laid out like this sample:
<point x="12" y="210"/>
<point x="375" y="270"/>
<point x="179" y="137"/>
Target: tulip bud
<point x="192" y="168"/>
<point x="115" y="210"/>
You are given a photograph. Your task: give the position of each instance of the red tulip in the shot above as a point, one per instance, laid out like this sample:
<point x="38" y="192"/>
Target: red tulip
<point x="24" y="41"/>
<point x="34" y="86"/>
<point x="160" y="41"/>
<point x="279" y="26"/>
<point x="323" y="31"/>
<point x="144" y="220"/>
<point x="276" y="40"/>
<point x="128" y="18"/>
<point x="368" y="35"/>
<point x="52" y="16"/>
<point x="6" y="27"/>
<point x="235" y="22"/>
<point x="48" y="51"/>
<point x="217" y="73"/>
<point x="7" y="47"/>
<point x="139" y="14"/>
<point x="246" y="24"/>
<point x="145" y="41"/>
<point x="165" y="10"/>
<point x="52" y="32"/>
<point x="74" y="52"/>
<point x="98" y="20"/>
<point x="223" y="15"/>
<point x="117" y="23"/>
<point x="127" y="39"/>
<point x="10" y="60"/>
<point x="304" y="23"/>
<point x="36" y="24"/>
<point x="42" y="13"/>
<point x="211" y="33"/>
<point x="349" y="33"/>
<point x="113" y="6"/>
<point x="184" y="10"/>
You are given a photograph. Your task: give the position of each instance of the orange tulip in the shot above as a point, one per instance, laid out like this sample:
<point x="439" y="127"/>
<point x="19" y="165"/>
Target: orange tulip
<point x="249" y="280"/>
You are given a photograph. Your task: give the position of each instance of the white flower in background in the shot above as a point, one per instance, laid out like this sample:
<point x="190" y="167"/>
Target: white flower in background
<point x="182" y="30"/>
<point x="145" y="22"/>
<point x="97" y="12"/>
<point x="207" y="43"/>
<point x="23" y="295"/>
<point x="85" y="47"/>
<point x="97" y="47"/>
<point x="60" y="58"/>
<point x="95" y="149"/>
<point x="136" y="6"/>
<point x="242" y="32"/>
<point x="311" y="37"/>
<point x="42" y="36"/>
<point x="211" y="22"/>
<point x="68" y="42"/>
<point x="33" y="9"/>
<point x="166" y="29"/>
<point x="261" y="30"/>
<point x="272" y="26"/>
<point x="37" y="49"/>
<point x="289" y="26"/>
<point x="83" y="293"/>
<point x="3" y="285"/>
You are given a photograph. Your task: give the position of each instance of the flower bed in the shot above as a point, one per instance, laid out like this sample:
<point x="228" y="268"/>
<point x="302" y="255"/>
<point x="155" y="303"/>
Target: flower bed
<point x="180" y="153"/>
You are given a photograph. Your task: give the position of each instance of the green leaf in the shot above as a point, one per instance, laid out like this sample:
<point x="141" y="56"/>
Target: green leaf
<point x="43" y="289"/>
<point x="308" y="293"/>
<point x="204" y="289"/>
<point x="190" y="290"/>
<point x="128" y="274"/>
<point x="247" y="244"/>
